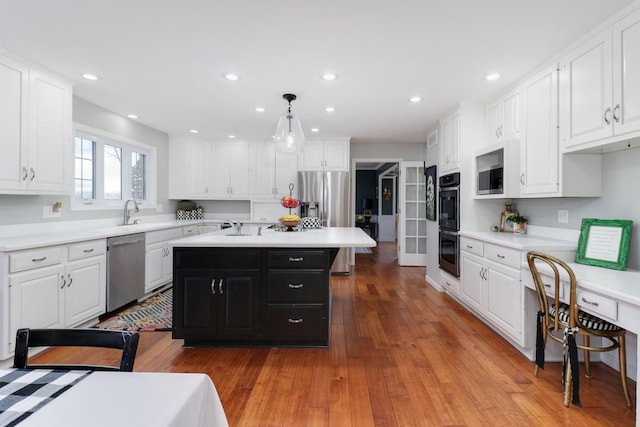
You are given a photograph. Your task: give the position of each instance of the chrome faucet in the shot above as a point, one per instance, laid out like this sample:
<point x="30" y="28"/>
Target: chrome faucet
<point x="127" y="212"/>
<point x="235" y="225"/>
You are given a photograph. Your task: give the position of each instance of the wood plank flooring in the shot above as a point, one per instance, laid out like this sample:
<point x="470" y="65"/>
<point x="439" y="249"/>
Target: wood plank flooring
<point x="401" y="354"/>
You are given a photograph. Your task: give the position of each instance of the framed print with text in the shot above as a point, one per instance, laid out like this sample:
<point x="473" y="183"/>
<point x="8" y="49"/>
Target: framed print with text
<point x="604" y="243"/>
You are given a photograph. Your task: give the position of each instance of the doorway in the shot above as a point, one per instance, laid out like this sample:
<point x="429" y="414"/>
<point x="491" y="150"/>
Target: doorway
<point x="370" y="179"/>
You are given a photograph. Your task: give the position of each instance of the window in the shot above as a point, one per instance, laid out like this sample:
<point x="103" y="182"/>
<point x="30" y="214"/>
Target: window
<point x="110" y="169"/>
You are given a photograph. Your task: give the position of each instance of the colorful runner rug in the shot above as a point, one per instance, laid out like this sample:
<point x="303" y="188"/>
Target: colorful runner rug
<point x="152" y="314"/>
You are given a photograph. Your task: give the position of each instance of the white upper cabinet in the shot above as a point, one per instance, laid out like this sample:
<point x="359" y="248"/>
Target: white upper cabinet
<point x="503" y="118"/>
<point x="35" y="127"/>
<point x="230" y="170"/>
<point x="331" y="154"/>
<point x="272" y="171"/>
<point x="539" y="168"/>
<point x="600" y="88"/>
<point x="450" y="142"/>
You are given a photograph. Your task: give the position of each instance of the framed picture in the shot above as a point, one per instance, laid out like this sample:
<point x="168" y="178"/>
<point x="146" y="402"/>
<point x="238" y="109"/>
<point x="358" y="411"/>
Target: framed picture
<point x="604" y="243"/>
<point x="432" y="184"/>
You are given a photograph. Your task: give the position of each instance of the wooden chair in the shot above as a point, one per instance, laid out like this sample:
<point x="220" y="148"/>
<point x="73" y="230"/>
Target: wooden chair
<point x="568" y="320"/>
<point x="126" y="341"/>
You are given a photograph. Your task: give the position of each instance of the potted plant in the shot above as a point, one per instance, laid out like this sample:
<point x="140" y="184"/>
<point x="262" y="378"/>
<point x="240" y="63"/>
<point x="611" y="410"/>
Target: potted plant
<point x="519" y="223"/>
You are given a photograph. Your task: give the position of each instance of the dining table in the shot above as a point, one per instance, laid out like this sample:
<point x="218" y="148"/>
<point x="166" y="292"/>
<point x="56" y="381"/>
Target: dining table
<point x="101" y="399"/>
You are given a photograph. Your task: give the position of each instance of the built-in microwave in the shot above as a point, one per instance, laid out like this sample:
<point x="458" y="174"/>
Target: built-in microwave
<point x="490" y="180"/>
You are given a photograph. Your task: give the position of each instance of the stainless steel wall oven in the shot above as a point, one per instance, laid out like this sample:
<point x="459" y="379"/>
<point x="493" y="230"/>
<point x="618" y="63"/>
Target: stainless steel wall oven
<point x="449" y="221"/>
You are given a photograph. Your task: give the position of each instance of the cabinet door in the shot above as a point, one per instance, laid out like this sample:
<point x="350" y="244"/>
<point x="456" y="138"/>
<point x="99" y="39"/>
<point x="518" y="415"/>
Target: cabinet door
<point x="35" y="300"/>
<point x="286" y="172"/>
<point x="494" y="120"/>
<point x="336" y="155"/>
<point x="312" y="156"/>
<point x="510" y="126"/>
<point x="195" y="310"/>
<point x="473" y="280"/>
<point x="85" y="290"/>
<point x="626" y="74"/>
<point x="455" y="127"/>
<point x="238" y="303"/>
<point x="13" y="113"/>
<point x="504" y="299"/>
<point x="197" y="169"/>
<point x="264" y="170"/>
<point x="49" y="134"/>
<point x="154" y="273"/>
<point x="586" y="92"/>
<point x="539" y="152"/>
<point x="238" y="160"/>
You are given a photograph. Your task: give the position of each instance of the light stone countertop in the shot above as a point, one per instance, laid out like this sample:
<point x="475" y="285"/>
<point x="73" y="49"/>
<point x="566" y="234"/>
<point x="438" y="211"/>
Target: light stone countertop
<point x="528" y="242"/>
<point x="329" y="237"/>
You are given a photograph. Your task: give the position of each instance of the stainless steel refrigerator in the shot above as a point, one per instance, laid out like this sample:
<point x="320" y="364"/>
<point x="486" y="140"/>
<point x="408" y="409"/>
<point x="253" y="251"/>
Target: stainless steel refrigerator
<point x="326" y="196"/>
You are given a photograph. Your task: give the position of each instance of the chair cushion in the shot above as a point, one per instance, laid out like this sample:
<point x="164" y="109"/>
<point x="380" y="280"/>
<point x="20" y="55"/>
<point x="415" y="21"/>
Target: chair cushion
<point x="584" y="319"/>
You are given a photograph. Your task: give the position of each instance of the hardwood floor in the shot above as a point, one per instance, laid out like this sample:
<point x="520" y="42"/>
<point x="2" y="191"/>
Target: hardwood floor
<point x="401" y="354"/>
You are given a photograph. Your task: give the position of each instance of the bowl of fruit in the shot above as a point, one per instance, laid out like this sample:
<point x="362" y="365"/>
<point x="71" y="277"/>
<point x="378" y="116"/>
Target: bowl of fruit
<point x="290" y="221"/>
<point x="288" y="202"/>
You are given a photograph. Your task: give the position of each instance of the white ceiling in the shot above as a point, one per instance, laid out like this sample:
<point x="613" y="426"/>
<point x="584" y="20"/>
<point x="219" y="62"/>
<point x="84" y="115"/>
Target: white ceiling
<point x="164" y="59"/>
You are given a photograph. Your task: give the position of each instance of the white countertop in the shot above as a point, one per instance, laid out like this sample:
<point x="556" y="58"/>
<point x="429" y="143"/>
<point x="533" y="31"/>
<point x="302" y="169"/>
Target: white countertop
<point x="528" y="242"/>
<point x="329" y="237"/>
<point x="28" y="241"/>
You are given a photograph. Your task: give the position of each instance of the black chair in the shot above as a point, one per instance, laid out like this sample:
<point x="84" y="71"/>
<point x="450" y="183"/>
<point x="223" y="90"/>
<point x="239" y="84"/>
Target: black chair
<point x="126" y="341"/>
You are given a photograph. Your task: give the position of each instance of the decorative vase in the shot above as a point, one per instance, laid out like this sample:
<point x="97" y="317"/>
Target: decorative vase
<point x="520" y="227"/>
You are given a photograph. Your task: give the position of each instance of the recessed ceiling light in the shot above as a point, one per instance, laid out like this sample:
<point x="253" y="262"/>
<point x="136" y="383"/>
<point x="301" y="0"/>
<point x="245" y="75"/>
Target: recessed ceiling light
<point x="315" y="130"/>
<point x="415" y="99"/>
<point x="232" y="77"/>
<point x="494" y="76"/>
<point x="132" y="116"/>
<point x="193" y="131"/>
<point x="232" y="136"/>
<point x="260" y="109"/>
<point x="89" y="76"/>
<point x="329" y="77"/>
<point x="329" y="109"/>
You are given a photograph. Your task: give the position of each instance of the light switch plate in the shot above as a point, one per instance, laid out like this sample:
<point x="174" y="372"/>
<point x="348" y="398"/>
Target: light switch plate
<point x="563" y="216"/>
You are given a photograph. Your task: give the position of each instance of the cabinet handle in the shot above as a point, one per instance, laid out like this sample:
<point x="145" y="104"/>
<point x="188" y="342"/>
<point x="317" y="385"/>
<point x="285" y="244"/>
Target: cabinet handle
<point x="615" y="116"/>
<point x="296" y="286"/>
<point x="213" y="286"/>
<point x="522" y="178"/>
<point x="500" y="256"/>
<point x="38" y="259"/>
<point x="70" y="280"/>
<point x="26" y="173"/>
<point x="296" y="321"/>
<point x="606" y="113"/>
<point x="469" y="247"/>
<point x="220" y="287"/>
<point x="299" y="259"/>
<point x="33" y="174"/>
<point x="593" y="303"/>
<point x="88" y="251"/>
<point x="64" y="282"/>
<point x="498" y="132"/>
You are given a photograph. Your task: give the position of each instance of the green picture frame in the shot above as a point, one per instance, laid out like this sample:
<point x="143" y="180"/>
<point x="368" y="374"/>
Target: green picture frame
<point x="604" y="243"/>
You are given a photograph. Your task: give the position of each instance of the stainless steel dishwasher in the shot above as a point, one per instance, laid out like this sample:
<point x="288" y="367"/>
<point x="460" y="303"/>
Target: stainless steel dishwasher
<point x="125" y="269"/>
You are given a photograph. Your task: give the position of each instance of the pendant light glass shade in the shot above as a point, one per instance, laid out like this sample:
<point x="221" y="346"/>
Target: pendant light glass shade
<point x="289" y="136"/>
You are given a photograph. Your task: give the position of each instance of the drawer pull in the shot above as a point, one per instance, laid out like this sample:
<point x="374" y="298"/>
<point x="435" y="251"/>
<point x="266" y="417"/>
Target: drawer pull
<point x="88" y="251"/>
<point x="220" y="287"/>
<point x="39" y="259"/>
<point x="299" y="259"/>
<point x="593" y="303"/>
<point x="469" y="246"/>
<point x="500" y="256"/>
<point x="296" y="321"/>
<point x="296" y="285"/>
<point x="213" y="286"/>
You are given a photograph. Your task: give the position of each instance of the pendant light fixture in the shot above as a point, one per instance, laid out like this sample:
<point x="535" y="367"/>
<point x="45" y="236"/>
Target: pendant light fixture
<point x="289" y="136"/>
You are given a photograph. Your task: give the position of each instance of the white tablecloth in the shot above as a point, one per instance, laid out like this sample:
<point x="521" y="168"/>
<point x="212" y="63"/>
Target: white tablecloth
<point x="134" y="399"/>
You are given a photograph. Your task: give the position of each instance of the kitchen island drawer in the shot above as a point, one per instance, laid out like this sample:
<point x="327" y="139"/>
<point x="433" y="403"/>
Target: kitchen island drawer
<point x="297" y="286"/>
<point x="35" y="258"/>
<point x="298" y="321"/>
<point x="299" y="258"/>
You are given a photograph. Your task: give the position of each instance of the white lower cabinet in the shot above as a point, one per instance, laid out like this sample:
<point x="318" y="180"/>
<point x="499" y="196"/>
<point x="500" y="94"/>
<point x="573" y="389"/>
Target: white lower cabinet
<point x="490" y="285"/>
<point x="65" y="294"/>
<point x="159" y="258"/>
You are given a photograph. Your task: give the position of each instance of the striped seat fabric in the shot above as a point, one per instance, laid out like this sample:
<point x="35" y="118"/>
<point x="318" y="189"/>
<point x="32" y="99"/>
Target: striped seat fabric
<point x="585" y="319"/>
